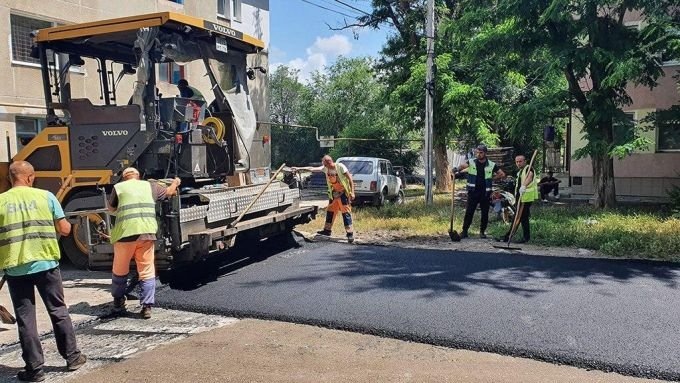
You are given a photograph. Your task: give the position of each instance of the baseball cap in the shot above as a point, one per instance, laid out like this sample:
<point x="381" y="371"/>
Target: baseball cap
<point x="482" y="148"/>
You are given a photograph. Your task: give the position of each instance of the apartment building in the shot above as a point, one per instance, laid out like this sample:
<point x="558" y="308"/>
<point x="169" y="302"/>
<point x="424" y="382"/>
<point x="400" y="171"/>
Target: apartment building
<point x="22" y="113"/>
<point x="645" y="175"/>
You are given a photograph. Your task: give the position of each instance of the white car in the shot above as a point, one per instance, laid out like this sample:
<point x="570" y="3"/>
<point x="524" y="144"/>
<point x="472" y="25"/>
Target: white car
<point x="375" y="181"/>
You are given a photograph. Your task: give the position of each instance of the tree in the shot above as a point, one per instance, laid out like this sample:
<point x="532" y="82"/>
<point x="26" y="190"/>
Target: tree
<point x="290" y="144"/>
<point x="598" y="54"/>
<point x="348" y="102"/>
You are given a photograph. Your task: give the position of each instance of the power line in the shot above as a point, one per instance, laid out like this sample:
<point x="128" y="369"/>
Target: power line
<point x="352" y="7"/>
<point x="328" y="9"/>
<point x="331" y="4"/>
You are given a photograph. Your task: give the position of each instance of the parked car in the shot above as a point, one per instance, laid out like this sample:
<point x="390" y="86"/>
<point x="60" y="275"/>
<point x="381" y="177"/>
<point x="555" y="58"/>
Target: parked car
<point x="375" y="180"/>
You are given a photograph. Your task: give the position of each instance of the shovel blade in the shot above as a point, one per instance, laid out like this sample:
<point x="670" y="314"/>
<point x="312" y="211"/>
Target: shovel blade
<point x="6" y="317"/>
<point x="455" y="237"/>
<point x="505" y="247"/>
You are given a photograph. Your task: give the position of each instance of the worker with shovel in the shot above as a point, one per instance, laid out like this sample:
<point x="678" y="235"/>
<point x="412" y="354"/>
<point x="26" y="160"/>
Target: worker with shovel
<point x="340" y="194"/>
<point x="526" y="191"/>
<point x="481" y="174"/>
<point x="30" y="219"/>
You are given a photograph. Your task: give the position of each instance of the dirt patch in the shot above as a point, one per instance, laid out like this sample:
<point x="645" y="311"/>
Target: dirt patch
<point x="263" y="351"/>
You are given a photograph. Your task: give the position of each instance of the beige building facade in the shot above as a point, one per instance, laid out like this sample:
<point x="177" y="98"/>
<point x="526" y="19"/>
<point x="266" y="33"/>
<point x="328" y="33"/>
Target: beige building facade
<point x="22" y="112"/>
<point x="645" y="175"/>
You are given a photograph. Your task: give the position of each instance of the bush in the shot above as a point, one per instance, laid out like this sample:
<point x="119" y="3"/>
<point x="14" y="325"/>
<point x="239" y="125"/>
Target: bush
<point x="674" y="195"/>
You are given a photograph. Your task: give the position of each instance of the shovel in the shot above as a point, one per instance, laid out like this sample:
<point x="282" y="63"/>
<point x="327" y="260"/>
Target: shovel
<point x="518" y="214"/>
<point x="455" y="237"/>
<point x="308" y="237"/>
<point x="5" y="316"/>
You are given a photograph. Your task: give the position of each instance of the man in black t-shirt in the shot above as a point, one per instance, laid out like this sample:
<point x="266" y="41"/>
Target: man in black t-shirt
<point x="547" y="185"/>
<point x="481" y="173"/>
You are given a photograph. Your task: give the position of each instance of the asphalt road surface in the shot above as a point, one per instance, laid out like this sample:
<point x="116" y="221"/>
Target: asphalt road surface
<point x="611" y="315"/>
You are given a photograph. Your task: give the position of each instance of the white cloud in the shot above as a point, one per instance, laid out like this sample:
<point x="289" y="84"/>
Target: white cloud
<point x="276" y="54"/>
<point x="319" y="54"/>
<point x="335" y="45"/>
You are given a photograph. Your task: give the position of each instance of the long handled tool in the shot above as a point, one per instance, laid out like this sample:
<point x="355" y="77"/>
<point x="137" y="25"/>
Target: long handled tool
<point x="237" y="220"/>
<point x="455" y="237"/>
<point x="518" y="214"/>
<point x="5" y="316"/>
<point x="520" y="205"/>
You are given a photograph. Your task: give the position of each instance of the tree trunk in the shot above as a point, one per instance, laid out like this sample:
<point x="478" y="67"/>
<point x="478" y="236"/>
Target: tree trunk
<point x="603" y="180"/>
<point x="442" y="169"/>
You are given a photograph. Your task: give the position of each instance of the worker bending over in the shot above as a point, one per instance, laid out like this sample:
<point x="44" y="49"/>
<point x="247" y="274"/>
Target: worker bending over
<point x="134" y="234"/>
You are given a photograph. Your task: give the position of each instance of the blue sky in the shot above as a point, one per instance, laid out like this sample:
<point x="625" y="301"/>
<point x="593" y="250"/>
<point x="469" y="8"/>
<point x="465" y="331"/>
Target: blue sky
<point x="301" y="39"/>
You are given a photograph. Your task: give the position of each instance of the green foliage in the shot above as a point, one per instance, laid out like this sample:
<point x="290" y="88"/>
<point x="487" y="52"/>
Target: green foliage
<point x="294" y="146"/>
<point x="589" y="43"/>
<point x="620" y="233"/>
<point x="346" y="101"/>
<point x="631" y="233"/>
<point x="674" y="195"/>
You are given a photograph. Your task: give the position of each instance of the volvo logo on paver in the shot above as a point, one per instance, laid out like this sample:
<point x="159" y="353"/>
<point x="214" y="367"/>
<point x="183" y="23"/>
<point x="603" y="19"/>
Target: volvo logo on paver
<point x="223" y="30"/>
<point x="115" y="132"/>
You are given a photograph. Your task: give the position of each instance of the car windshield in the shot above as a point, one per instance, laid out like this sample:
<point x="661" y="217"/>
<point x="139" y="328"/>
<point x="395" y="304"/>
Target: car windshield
<point x="359" y="167"/>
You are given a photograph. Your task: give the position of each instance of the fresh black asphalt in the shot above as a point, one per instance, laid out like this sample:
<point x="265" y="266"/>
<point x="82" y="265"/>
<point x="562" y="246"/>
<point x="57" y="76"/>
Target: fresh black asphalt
<point x="611" y="315"/>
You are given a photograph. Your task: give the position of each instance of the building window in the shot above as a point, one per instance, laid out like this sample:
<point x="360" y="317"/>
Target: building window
<point x="27" y="128"/>
<point x="624" y="128"/>
<point x="667" y="57"/>
<point x="229" y="9"/>
<point x="170" y="72"/>
<point x="668" y="129"/>
<point x="21" y="28"/>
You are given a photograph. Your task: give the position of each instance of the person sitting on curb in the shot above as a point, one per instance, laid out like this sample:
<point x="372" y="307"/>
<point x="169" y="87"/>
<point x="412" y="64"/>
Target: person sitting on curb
<point x="547" y="185"/>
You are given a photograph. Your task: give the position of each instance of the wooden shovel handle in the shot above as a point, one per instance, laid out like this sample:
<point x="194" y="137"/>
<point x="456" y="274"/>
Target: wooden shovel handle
<point x="520" y="206"/>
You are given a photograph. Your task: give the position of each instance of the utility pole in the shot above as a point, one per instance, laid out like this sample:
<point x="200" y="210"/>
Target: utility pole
<point x="429" y="94"/>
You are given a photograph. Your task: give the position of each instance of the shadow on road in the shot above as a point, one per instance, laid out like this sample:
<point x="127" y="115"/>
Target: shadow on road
<point x="243" y="254"/>
<point x="438" y="272"/>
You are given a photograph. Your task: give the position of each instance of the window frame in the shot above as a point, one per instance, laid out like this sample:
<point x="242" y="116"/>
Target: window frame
<point x="232" y="10"/>
<point x="169" y="71"/>
<point x="13" y="61"/>
<point x="39" y="123"/>
<point x="658" y="148"/>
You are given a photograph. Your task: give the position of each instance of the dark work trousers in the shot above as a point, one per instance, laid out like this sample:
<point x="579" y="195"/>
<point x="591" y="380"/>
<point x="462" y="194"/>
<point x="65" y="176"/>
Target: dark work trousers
<point x="474" y="199"/>
<point x="546" y="189"/>
<point x="51" y="290"/>
<point x="524" y="220"/>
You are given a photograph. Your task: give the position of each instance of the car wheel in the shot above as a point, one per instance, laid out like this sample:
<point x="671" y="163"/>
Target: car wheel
<point x="399" y="199"/>
<point x="379" y="199"/>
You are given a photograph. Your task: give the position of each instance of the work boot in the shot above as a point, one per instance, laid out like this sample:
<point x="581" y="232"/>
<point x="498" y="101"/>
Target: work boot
<point x="350" y="237"/>
<point x="31" y="375"/>
<point x="324" y="232"/>
<point x="482" y="235"/>
<point x="119" y="304"/>
<point x="146" y="312"/>
<point x="464" y="234"/>
<point x="76" y="364"/>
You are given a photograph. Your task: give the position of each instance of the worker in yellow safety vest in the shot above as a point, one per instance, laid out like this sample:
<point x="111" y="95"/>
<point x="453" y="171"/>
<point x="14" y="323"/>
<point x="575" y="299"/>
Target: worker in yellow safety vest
<point x="30" y="220"/>
<point x="481" y="172"/>
<point x="526" y="191"/>
<point x="340" y="194"/>
<point x="134" y="234"/>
